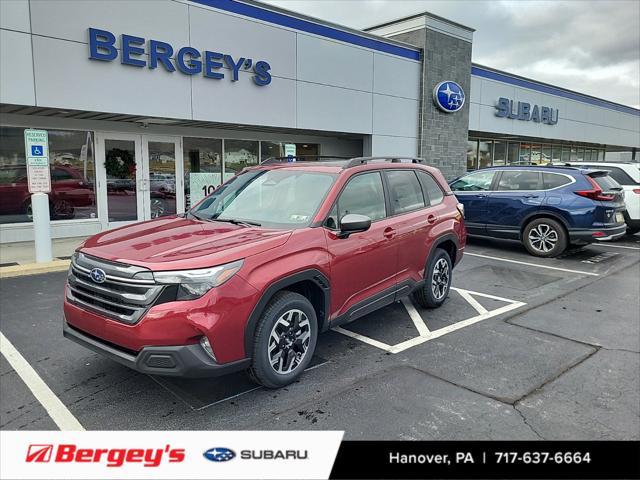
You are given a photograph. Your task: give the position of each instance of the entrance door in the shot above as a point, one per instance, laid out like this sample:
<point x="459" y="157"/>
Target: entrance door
<point x="138" y="177"/>
<point x="120" y="175"/>
<point x="163" y="162"/>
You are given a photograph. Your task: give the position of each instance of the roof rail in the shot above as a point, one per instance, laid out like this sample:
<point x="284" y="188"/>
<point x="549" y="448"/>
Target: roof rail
<point x="304" y="158"/>
<point x="354" y="162"/>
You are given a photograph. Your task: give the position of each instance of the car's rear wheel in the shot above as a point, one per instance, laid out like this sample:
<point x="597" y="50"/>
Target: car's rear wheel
<point x="544" y="237"/>
<point x="285" y="340"/>
<point x="437" y="281"/>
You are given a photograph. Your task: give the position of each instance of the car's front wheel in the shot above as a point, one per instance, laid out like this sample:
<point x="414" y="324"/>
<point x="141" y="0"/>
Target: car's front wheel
<point x="285" y="340"/>
<point x="544" y="237"/>
<point x="437" y="281"/>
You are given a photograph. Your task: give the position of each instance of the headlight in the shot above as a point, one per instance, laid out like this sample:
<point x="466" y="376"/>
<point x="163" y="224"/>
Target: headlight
<point x="193" y="284"/>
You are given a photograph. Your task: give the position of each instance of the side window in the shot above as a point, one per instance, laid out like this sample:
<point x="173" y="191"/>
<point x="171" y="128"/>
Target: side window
<point x="405" y="191"/>
<point x="433" y="192"/>
<point x="553" y="180"/>
<point x="363" y="195"/>
<point x="519" y="180"/>
<point x="474" y="182"/>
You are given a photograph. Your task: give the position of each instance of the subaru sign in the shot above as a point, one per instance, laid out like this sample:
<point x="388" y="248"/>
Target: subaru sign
<point x="448" y="96"/>
<point x="507" y="108"/>
<point x="138" y="52"/>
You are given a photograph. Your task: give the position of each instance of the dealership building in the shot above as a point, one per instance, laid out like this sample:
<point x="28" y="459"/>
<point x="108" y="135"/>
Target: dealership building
<point x="149" y="105"/>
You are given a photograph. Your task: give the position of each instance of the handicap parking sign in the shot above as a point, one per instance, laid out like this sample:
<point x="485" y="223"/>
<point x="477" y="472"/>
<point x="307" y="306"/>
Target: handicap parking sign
<point x="37" y="151"/>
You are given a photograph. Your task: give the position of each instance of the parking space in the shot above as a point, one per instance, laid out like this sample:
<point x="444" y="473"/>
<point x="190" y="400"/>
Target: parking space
<point x="523" y="348"/>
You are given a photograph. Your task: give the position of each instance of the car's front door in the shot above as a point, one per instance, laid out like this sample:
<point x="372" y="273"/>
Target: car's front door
<point x="472" y="191"/>
<point x="363" y="265"/>
<point x="517" y="194"/>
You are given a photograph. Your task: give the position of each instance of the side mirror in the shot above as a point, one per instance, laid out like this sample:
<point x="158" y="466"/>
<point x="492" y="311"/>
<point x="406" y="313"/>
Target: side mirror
<point x="353" y="223"/>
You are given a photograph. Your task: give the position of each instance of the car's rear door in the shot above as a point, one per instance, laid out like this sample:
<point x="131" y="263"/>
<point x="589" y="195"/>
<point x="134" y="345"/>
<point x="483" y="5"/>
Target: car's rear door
<point x="517" y="194"/>
<point x="363" y="265"/>
<point x="472" y="190"/>
<point x="412" y="218"/>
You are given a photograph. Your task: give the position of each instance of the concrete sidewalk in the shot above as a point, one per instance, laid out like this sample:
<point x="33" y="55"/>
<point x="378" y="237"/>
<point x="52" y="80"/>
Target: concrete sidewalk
<point x="22" y="253"/>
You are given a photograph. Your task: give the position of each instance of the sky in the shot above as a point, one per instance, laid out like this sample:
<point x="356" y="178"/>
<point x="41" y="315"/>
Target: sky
<point x="588" y="46"/>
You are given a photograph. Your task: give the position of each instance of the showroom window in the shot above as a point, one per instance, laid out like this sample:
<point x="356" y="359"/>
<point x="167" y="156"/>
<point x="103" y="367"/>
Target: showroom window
<point x="277" y="149"/>
<point x="71" y="156"/>
<point x="499" y="153"/>
<point x="485" y="148"/>
<point x="546" y="156"/>
<point x="472" y="154"/>
<point x="239" y="154"/>
<point x="513" y="153"/>
<point x="202" y="159"/>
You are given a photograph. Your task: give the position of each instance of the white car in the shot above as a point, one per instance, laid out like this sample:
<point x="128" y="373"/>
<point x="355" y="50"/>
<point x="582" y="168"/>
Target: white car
<point x="626" y="174"/>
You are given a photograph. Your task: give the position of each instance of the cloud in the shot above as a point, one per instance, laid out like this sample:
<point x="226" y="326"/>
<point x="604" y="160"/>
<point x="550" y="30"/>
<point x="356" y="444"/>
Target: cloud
<point x="589" y="46"/>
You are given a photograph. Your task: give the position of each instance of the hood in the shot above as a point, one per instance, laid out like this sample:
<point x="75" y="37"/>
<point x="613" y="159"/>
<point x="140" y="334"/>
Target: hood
<point x="176" y="243"/>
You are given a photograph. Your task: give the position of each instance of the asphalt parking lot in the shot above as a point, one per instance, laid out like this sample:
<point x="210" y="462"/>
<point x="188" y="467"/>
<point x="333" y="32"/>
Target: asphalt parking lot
<point x="524" y="348"/>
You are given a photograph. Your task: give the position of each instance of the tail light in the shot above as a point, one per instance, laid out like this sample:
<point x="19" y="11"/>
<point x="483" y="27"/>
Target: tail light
<point x="460" y="208"/>
<point x="636" y="191"/>
<point x="596" y="192"/>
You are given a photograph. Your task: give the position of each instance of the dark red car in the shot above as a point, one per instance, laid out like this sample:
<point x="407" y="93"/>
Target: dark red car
<point x="69" y="189"/>
<point x="250" y="276"/>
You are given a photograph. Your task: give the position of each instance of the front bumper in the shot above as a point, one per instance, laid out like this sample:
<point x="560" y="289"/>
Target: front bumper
<point x="587" y="235"/>
<point x="180" y="360"/>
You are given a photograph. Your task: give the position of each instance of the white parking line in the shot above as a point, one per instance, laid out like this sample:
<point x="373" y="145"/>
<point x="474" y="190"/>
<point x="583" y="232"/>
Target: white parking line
<point x="616" y="246"/>
<point x="500" y="259"/>
<point x="57" y="410"/>
<point x="425" y="334"/>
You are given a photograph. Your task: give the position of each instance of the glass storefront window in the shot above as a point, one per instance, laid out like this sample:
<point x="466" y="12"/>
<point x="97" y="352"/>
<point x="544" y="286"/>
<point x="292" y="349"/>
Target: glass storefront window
<point x="472" y="154"/>
<point x="499" y="153"/>
<point x="271" y="149"/>
<point x="546" y="157"/>
<point x="574" y="154"/>
<point x="536" y="155"/>
<point x="601" y="155"/>
<point x="71" y="156"/>
<point x="587" y="155"/>
<point x="485" y="153"/>
<point x="120" y="166"/>
<point x="556" y="153"/>
<point x="239" y="154"/>
<point x="202" y="160"/>
<point x="525" y="154"/>
<point x="513" y="153"/>
<point x="580" y="155"/>
<point x="566" y="154"/>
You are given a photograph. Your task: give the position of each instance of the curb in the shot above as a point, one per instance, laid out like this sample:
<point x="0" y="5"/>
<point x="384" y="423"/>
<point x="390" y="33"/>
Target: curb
<point x="33" y="268"/>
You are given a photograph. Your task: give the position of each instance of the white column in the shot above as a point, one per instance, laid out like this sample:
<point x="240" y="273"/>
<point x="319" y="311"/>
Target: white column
<point x="41" y="227"/>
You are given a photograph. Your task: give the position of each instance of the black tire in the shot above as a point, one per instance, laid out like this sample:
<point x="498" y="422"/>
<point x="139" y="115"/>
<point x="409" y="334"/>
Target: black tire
<point x="261" y="370"/>
<point x="544" y="237"/>
<point x="632" y="230"/>
<point x="438" y="266"/>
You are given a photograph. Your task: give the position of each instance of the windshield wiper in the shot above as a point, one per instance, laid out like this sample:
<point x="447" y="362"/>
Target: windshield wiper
<point x="245" y="223"/>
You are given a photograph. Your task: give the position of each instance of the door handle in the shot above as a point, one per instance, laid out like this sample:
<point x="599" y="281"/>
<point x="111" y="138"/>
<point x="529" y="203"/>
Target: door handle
<point x="481" y="195"/>
<point x="531" y="195"/>
<point x="431" y="219"/>
<point x="389" y="232"/>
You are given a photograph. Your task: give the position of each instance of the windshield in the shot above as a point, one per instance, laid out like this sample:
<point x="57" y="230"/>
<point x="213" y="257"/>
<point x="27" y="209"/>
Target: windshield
<point x="269" y="198"/>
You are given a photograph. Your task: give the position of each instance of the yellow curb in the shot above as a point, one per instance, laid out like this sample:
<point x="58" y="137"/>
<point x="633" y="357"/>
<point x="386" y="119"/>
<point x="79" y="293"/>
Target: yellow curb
<point x="33" y="268"/>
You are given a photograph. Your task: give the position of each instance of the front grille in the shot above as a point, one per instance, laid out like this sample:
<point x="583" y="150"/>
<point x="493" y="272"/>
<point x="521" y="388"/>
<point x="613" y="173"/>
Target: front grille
<point x="125" y="295"/>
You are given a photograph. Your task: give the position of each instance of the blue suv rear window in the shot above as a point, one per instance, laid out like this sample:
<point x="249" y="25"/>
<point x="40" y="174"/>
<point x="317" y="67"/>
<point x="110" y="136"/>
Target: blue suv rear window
<point x="554" y="180"/>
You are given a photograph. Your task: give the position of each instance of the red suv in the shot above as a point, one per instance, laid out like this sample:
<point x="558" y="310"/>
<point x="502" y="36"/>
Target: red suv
<point x="248" y="277"/>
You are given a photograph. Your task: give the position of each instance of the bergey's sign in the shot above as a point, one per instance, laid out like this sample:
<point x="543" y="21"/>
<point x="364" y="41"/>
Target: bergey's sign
<point x="524" y="111"/>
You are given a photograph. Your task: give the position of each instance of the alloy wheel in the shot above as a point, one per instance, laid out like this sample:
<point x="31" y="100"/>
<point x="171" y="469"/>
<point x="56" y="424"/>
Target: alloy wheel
<point x="440" y="279"/>
<point x="543" y="238"/>
<point x="289" y="341"/>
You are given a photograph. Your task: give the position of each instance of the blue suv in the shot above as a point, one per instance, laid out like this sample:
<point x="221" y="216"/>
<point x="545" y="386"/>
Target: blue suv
<point x="546" y="208"/>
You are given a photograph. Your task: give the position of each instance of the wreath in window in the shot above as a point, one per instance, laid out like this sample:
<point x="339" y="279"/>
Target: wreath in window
<point x="120" y="164"/>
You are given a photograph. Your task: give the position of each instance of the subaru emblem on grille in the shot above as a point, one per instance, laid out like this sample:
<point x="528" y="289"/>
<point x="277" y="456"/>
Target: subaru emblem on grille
<point x="98" y="275"/>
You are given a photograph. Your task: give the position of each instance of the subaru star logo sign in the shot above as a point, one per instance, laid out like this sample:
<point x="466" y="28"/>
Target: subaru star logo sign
<point x="448" y="96"/>
<point x="219" y="454"/>
<point x="98" y="275"/>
